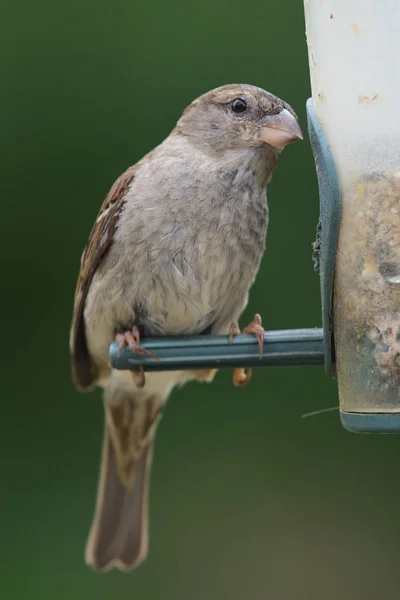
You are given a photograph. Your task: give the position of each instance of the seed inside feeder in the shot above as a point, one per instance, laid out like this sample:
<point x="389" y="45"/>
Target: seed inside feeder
<point x="367" y="294"/>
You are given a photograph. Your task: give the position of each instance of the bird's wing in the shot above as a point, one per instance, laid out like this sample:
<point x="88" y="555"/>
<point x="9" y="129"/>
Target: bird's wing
<point x="100" y="240"/>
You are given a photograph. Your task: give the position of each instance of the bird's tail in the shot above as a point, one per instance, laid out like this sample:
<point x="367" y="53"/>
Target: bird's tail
<point x="119" y="533"/>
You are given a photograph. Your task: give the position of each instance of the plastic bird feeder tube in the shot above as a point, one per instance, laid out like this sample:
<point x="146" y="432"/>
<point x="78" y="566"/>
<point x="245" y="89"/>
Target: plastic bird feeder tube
<point x="353" y="53"/>
<point x="293" y="347"/>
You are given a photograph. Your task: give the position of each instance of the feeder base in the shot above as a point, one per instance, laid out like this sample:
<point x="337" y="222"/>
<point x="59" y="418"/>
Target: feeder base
<point x="371" y="422"/>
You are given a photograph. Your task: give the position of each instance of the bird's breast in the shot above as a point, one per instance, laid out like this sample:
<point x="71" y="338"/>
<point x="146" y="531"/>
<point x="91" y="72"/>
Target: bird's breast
<point x="183" y="255"/>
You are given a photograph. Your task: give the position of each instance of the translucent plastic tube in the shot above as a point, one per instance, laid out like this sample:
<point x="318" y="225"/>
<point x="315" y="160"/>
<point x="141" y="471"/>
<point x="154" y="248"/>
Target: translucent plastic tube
<point x="354" y="55"/>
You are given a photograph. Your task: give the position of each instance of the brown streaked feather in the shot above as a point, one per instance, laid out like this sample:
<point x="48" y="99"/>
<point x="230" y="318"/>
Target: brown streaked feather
<point x="119" y="533"/>
<point x="132" y="425"/>
<point x="100" y="240"/>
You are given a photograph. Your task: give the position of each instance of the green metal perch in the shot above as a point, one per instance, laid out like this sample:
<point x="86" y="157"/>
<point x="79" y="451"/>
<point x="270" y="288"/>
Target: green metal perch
<point x="287" y="347"/>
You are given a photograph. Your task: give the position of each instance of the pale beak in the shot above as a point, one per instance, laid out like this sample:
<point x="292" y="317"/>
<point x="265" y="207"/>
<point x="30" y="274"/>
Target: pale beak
<point x="279" y="130"/>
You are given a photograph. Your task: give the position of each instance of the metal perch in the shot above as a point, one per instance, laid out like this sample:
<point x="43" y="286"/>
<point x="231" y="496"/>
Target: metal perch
<point x="287" y="347"/>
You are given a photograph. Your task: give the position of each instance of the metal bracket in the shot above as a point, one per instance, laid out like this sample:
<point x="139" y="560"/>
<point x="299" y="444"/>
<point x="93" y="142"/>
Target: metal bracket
<point x="328" y="228"/>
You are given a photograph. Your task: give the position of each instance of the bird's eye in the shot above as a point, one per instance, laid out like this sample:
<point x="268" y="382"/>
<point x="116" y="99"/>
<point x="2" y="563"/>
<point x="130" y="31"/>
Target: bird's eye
<point x="239" y="105"/>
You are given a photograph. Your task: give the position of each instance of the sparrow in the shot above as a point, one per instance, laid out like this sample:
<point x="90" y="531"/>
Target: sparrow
<point x="174" y="250"/>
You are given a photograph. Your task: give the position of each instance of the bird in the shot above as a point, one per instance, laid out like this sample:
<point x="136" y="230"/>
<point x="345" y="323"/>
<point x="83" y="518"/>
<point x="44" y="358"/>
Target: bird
<point x="174" y="250"/>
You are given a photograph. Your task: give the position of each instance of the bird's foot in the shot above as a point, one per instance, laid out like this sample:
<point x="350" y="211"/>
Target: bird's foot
<point x="234" y="329"/>
<point x="131" y="338"/>
<point x="139" y="378"/>
<point x="241" y="377"/>
<point x="258" y="330"/>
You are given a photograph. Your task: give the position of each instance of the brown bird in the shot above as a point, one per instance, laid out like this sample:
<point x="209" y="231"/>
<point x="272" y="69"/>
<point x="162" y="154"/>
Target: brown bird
<point x="174" y="250"/>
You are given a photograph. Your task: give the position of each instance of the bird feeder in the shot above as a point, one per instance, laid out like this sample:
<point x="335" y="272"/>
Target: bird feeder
<point x="353" y="53"/>
<point x="354" y="128"/>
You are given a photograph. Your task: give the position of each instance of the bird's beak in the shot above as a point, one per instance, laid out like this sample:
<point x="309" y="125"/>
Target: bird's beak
<point x="279" y="130"/>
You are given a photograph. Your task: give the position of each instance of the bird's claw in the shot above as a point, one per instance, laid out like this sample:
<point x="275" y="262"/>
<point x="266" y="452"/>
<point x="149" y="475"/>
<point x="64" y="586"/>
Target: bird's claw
<point x="131" y="338"/>
<point x="240" y="376"/>
<point x="258" y="330"/>
<point x="139" y="378"/>
<point x="234" y="329"/>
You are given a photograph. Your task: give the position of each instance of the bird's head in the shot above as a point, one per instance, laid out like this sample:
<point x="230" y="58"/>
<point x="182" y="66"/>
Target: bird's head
<point x="239" y="116"/>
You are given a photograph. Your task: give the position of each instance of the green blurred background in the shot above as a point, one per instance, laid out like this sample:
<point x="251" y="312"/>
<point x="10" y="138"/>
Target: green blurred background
<point x="248" y="500"/>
